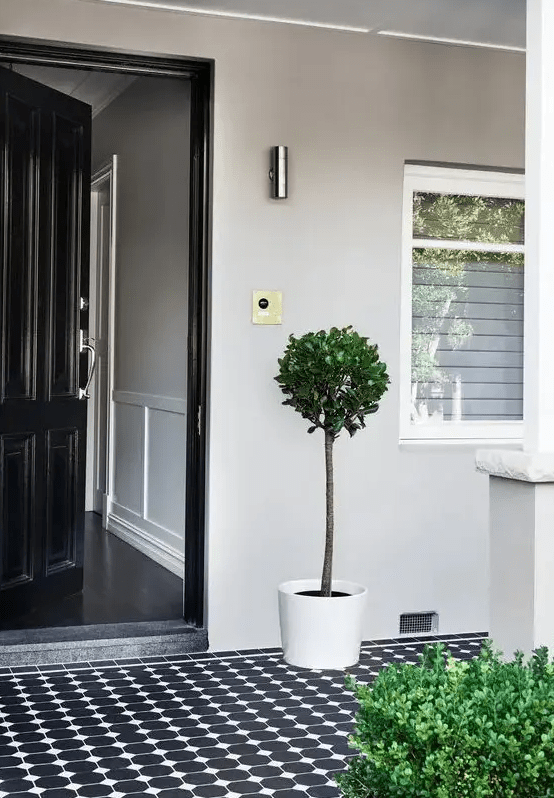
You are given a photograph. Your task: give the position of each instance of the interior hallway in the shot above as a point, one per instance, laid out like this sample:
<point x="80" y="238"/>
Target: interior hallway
<point x="120" y="585"/>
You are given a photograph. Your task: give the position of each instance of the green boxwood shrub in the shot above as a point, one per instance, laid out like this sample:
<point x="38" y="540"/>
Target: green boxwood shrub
<point x="455" y="729"/>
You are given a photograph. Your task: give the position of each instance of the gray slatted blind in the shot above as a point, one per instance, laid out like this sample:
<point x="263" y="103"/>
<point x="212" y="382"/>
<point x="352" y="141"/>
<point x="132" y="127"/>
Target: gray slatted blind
<point x="467" y="361"/>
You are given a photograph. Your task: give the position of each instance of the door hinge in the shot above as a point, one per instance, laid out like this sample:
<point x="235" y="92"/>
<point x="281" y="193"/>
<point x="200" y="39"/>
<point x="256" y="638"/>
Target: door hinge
<point x="199" y="420"/>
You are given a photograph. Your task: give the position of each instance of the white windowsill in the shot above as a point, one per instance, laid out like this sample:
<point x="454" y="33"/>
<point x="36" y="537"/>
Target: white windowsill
<point x="457" y="443"/>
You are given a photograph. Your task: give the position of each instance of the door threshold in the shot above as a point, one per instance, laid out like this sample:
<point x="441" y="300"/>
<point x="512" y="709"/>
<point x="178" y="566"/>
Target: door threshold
<point x="92" y="642"/>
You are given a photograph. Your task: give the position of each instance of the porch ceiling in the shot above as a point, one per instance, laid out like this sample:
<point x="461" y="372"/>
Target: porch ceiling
<point x="487" y="23"/>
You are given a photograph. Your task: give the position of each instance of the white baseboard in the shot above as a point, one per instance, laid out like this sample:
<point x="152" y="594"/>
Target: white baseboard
<point x="129" y="531"/>
<point x="106" y="509"/>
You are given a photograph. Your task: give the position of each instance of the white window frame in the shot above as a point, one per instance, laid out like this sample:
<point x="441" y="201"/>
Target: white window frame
<point x="451" y="181"/>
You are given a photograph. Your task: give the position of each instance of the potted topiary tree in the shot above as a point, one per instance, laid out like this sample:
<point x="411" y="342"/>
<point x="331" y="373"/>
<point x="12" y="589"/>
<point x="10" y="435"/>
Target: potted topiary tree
<point x="334" y="379"/>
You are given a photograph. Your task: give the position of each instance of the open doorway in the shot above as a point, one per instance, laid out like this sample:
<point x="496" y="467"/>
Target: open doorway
<point x="103" y="231"/>
<point x="136" y="429"/>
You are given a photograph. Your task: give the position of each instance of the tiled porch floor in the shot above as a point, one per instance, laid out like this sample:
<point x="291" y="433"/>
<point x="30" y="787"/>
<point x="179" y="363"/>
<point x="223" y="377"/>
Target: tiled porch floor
<point x="206" y="725"/>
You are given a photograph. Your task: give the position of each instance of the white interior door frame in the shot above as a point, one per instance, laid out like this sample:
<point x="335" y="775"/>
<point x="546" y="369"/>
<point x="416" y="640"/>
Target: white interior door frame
<point x="104" y="178"/>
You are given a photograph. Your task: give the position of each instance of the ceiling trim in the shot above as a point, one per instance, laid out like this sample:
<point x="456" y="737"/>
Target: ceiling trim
<point x="205" y="12"/>
<point x="443" y="40"/>
<point x="182" y="8"/>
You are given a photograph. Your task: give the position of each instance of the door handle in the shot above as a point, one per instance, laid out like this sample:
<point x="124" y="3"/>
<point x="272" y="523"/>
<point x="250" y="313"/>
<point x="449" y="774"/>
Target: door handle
<point x="87" y="346"/>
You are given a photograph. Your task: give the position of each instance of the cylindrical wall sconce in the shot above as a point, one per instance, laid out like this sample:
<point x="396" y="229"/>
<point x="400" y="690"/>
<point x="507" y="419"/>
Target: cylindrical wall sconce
<point x="278" y="173"/>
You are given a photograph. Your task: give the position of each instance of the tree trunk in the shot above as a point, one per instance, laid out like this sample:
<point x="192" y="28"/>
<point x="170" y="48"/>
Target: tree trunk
<point x="329" y="516"/>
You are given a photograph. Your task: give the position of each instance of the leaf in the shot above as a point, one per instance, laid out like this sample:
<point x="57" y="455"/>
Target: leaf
<point x="333" y="375"/>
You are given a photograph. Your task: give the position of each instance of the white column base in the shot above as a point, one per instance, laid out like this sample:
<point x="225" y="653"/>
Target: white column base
<point x="521" y="534"/>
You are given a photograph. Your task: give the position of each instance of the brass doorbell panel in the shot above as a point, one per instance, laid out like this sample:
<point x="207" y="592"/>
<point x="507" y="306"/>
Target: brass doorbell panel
<point x="267" y="307"/>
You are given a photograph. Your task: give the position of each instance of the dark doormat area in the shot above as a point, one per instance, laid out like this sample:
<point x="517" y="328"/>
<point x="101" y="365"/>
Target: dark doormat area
<point x="121" y="585"/>
<point x="209" y="725"/>
<point x="99" y="642"/>
<point x="130" y="607"/>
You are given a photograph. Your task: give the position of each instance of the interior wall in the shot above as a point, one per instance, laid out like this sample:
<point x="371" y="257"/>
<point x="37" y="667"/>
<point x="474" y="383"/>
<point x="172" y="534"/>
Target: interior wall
<point x="147" y="126"/>
<point x="411" y="522"/>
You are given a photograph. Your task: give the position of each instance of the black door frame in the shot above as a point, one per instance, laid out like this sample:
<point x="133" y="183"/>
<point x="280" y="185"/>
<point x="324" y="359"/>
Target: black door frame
<point x="201" y="74"/>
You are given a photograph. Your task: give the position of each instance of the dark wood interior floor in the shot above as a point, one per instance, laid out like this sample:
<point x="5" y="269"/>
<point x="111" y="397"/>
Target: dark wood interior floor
<point x="121" y="585"/>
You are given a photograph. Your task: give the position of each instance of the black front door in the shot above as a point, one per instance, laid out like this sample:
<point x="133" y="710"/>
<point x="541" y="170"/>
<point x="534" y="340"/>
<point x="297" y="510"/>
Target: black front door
<point x="44" y="239"/>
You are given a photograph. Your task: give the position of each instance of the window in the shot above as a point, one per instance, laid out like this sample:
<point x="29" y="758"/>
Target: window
<point x="462" y="305"/>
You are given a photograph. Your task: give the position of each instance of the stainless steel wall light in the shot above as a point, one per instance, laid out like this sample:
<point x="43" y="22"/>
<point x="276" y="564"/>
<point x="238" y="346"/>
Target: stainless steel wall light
<point x="278" y="173"/>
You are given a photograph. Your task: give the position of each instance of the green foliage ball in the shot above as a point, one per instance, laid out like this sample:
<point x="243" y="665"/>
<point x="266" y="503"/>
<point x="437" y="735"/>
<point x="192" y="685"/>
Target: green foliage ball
<point x="333" y="378"/>
<point x="455" y="729"/>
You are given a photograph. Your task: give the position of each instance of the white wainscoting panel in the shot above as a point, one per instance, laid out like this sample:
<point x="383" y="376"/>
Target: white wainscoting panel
<point x="166" y="450"/>
<point x="129" y="454"/>
<point x="147" y="509"/>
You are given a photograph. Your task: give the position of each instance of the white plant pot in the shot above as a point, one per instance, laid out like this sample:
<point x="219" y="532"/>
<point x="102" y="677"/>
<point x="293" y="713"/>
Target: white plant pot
<point x="321" y="632"/>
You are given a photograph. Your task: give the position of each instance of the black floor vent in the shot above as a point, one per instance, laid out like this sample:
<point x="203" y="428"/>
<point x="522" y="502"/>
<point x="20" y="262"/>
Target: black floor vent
<point x="412" y="623"/>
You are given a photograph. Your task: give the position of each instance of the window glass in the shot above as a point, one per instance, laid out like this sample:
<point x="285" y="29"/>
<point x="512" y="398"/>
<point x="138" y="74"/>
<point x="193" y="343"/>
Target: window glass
<point x="461" y="217"/>
<point x="467" y="336"/>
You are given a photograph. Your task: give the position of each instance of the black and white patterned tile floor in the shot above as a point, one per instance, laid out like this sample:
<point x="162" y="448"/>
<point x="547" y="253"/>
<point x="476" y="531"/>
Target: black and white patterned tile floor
<point x="197" y="726"/>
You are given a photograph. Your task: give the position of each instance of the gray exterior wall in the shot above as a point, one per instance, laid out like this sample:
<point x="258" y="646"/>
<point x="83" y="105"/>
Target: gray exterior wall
<point x="411" y="522"/>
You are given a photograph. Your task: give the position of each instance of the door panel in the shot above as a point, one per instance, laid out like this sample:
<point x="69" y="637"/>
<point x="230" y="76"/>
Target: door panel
<point x="44" y="240"/>
<point x="16" y="473"/>
<point x="19" y="274"/>
<point x="66" y="183"/>
<point x="61" y="500"/>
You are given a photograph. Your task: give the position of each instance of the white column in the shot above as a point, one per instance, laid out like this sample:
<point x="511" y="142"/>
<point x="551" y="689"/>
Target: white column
<point x="539" y="229"/>
<point x="521" y="483"/>
<point x="521" y="535"/>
